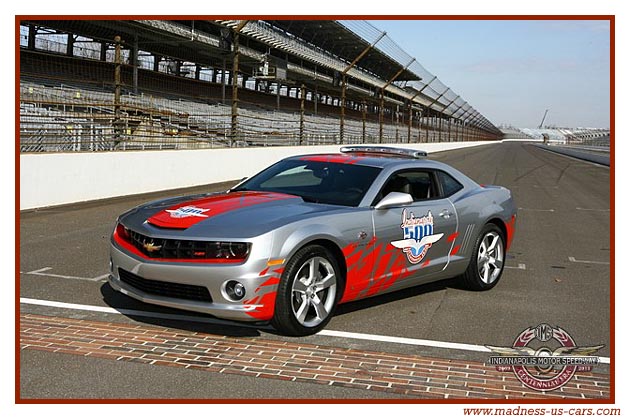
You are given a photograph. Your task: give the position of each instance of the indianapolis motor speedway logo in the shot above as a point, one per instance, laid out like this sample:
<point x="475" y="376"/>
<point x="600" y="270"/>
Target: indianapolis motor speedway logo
<point x="547" y="365"/>
<point x="417" y="236"/>
<point x="188" y="211"/>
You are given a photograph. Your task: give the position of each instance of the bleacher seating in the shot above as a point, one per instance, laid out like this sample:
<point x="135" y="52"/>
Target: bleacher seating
<point x="172" y="111"/>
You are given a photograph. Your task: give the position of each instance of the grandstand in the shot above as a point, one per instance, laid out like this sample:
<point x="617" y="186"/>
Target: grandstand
<point x="571" y="136"/>
<point x="513" y="133"/>
<point x="101" y="85"/>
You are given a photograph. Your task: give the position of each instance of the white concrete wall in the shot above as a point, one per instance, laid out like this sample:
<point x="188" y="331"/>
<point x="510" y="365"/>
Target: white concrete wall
<point x="54" y="179"/>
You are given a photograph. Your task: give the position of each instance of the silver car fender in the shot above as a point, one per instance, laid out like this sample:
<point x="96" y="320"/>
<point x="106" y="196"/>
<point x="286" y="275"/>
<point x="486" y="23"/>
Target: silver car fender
<point x="296" y="239"/>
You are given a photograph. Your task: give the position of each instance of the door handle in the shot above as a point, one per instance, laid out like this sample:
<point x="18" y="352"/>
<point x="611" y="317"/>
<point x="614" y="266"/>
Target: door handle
<point x="446" y="214"/>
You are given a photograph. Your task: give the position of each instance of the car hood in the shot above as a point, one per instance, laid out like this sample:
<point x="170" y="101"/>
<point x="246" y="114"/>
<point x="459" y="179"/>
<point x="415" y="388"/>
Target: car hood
<point x="223" y="215"/>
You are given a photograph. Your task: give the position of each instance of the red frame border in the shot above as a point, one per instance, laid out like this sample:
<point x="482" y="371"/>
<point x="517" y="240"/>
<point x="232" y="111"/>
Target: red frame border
<point x="610" y="18"/>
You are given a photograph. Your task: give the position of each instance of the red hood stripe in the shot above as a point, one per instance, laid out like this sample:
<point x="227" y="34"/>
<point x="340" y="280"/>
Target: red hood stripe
<point x="187" y="214"/>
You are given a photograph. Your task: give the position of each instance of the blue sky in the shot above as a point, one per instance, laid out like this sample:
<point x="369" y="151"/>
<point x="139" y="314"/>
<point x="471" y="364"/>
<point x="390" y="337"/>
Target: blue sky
<point x="512" y="71"/>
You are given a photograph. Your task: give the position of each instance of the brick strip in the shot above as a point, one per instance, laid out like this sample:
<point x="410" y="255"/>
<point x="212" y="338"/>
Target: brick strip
<point x="376" y="371"/>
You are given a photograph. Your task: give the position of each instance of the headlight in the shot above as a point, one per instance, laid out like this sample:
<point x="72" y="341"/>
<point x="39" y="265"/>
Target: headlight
<point x="223" y="250"/>
<point x="123" y="232"/>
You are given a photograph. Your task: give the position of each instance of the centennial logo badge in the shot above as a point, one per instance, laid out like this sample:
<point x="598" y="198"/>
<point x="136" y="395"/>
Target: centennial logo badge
<point x="188" y="211"/>
<point x="547" y="365"/>
<point x="418" y="236"/>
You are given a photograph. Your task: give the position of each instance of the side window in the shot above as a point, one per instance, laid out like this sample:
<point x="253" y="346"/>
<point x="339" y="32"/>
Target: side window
<point x="417" y="183"/>
<point x="449" y="184"/>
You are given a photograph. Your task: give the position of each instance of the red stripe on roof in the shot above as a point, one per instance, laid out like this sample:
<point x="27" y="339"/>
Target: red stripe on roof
<point x="333" y="158"/>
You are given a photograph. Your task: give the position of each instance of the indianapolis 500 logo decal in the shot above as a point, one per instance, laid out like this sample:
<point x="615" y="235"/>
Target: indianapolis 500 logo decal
<point x="417" y="236"/>
<point x="188" y="211"/>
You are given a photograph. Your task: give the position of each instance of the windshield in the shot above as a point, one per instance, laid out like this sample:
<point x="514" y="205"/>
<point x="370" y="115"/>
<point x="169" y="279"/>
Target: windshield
<point x="315" y="181"/>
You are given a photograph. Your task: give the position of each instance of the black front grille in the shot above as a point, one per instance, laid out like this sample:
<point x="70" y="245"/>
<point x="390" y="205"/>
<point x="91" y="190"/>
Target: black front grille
<point x="187" y="249"/>
<point x="165" y="289"/>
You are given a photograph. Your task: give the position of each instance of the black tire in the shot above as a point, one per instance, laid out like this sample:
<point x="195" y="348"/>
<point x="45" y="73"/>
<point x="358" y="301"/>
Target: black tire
<point x="302" y="308"/>
<point x="475" y="277"/>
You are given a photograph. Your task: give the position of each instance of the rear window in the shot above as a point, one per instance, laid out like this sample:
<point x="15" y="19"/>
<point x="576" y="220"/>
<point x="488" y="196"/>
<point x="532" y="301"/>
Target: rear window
<point x="315" y="181"/>
<point x="449" y="184"/>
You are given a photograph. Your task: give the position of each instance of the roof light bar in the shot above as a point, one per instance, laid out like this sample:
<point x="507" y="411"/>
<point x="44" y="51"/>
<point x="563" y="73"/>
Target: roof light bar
<point x="394" y="151"/>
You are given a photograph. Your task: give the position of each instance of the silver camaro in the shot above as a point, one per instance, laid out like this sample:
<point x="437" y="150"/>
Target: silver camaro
<point x="310" y="232"/>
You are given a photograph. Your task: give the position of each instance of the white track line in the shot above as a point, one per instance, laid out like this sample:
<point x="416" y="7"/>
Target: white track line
<point x="330" y="333"/>
<point x="130" y="312"/>
<point x="536" y="209"/>
<point x="520" y="266"/>
<point x="574" y="260"/>
<point x="43" y="272"/>
<point x="593" y="209"/>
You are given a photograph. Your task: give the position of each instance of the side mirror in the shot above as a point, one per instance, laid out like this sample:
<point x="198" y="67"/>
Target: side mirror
<point x="394" y="199"/>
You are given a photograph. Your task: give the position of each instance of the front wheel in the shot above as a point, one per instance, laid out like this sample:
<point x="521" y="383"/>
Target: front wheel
<point x="486" y="264"/>
<point x="308" y="292"/>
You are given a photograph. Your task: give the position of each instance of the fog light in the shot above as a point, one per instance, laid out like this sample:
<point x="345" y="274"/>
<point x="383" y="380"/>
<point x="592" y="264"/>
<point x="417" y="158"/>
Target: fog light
<point x="234" y="290"/>
<point x="239" y="291"/>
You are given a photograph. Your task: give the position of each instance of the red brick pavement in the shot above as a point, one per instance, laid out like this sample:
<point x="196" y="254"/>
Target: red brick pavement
<point x="420" y="376"/>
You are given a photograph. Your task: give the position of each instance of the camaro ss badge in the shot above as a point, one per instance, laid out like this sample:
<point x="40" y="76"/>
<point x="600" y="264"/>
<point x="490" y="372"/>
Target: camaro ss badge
<point x="418" y="236"/>
<point x="188" y="211"/>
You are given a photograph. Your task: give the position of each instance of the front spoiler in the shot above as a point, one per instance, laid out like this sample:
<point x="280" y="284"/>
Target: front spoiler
<point x="222" y="311"/>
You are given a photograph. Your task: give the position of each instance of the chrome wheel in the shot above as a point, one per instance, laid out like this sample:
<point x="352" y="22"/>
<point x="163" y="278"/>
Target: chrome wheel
<point x="490" y="257"/>
<point x="313" y="291"/>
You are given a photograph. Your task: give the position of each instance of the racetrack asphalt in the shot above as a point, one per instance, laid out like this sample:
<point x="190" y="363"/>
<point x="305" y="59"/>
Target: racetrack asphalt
<point x="559" y="273"/>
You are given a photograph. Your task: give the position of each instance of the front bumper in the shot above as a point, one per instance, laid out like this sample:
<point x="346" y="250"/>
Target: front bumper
<point x="260" y="284"/>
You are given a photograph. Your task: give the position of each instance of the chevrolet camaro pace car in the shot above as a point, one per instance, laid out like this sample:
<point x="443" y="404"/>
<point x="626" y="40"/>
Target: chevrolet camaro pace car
<point x="310" y="232"/>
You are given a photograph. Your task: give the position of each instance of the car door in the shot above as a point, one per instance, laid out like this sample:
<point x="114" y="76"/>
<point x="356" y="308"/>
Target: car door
<point x="415" y="240"/>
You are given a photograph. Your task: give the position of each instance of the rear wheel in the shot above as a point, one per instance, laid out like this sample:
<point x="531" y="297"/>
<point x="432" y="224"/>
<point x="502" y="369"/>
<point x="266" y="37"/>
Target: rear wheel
<point x="486" y="264"/>
<point x="308" y="292"/>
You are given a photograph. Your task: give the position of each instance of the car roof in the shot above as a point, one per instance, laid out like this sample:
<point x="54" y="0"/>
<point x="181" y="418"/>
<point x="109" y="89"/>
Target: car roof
<point x="368" y="159"/>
